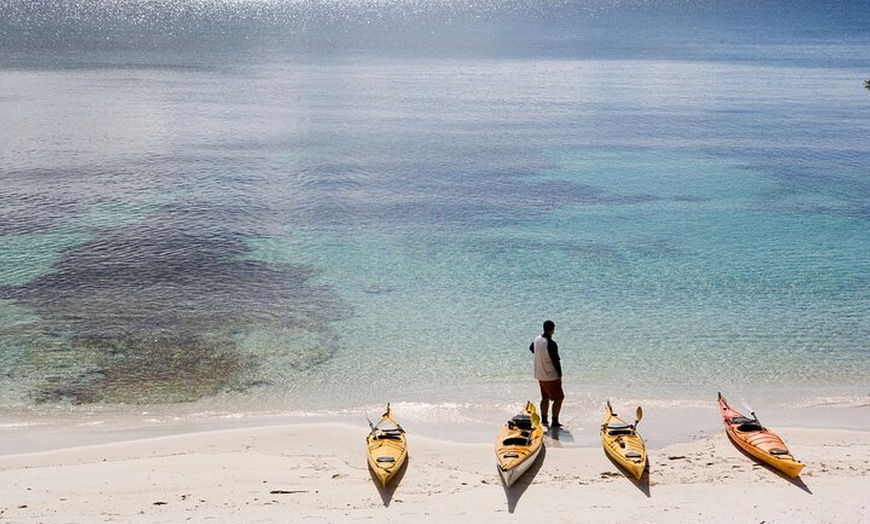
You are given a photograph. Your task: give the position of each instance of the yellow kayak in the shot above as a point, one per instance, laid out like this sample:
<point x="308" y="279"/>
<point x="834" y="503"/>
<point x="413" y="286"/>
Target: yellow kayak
<point x="623" y="443"/>
<point x="519" y="443"/>
<point x="387" y="447"/>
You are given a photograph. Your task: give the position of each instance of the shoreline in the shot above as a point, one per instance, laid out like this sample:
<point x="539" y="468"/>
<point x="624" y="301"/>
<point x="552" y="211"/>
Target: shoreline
<point x="318" y="472"/>
<point x="35" y="431"/>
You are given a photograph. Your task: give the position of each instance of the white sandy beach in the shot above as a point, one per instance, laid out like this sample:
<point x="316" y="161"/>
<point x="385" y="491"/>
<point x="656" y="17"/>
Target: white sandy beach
<point x="318" y="473"/>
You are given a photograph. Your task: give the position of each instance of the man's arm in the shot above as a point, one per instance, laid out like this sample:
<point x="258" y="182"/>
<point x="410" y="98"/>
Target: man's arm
<point x="553" y="350"/>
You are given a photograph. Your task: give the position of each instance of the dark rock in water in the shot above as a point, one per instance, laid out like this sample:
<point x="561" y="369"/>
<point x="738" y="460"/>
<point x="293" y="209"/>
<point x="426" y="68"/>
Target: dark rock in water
<point x="149" y="369"/>
<point x="152" y="312"/>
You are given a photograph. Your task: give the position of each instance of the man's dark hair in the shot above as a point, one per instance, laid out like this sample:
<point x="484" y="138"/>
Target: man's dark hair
<point x="549" y="325"/>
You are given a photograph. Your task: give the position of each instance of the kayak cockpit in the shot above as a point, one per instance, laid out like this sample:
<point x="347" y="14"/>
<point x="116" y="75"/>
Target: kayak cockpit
<point x="384" y="434"/>
<point x="516" y="441"/>
<point x="523" y="422"/>
<point x="746" y="424"/>
<point x="615" y="429"/>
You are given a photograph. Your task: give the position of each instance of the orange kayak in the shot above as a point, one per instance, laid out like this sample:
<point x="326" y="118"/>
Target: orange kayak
<point x="753" y="438"/>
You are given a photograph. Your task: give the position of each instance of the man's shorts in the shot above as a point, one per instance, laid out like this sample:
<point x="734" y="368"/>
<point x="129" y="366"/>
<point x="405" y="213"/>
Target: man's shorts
<point x="552" y="389"/>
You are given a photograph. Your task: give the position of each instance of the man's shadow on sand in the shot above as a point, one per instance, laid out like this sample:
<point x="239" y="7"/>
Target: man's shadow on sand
<point x="558" y="436"/>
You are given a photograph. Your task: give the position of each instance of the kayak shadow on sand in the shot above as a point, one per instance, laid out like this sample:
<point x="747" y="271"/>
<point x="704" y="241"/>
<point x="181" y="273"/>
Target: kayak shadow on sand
<point x="516" y="490"/>
<point x="387" y="493"/>
<point x="642" y="484"/>
<point x="797" y="481"/>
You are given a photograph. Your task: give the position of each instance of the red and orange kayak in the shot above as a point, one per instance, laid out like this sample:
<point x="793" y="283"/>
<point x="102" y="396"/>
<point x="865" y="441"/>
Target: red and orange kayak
<point x="753" y="438"/>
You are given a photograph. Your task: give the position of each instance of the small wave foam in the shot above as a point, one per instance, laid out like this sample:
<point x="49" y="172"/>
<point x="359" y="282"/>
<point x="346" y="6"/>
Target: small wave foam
<point x="840" y="401"/>
<point x="18" y="424"/>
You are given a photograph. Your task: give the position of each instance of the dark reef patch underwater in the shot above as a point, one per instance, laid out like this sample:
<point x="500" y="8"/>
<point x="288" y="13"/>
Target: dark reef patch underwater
<point x="155" y="313"/>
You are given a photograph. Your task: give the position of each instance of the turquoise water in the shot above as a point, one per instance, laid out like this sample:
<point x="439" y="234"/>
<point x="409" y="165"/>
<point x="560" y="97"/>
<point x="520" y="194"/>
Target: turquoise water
<point x="322" y="221"/>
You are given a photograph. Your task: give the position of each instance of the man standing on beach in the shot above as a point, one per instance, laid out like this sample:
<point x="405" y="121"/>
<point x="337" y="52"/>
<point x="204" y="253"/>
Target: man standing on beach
<point x="548" y="372"/>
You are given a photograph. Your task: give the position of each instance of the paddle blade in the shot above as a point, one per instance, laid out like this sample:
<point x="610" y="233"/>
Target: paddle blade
<point x="638" y="415"/>
<point x="536" y="418"/>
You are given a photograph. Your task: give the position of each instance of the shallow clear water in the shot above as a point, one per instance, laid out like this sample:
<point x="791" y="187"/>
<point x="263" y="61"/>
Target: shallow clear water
<point x="321" y="208"/>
